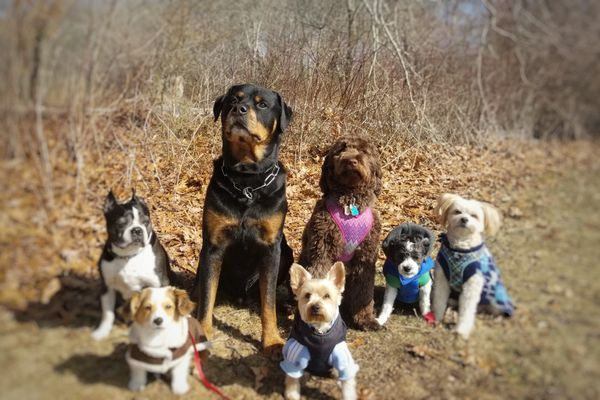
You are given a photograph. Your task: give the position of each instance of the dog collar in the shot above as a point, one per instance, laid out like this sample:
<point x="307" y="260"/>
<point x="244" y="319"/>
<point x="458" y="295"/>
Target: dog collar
<point x="446" y="243"/>
<point x="314" y="330"/>
<point x="248" y="191"/>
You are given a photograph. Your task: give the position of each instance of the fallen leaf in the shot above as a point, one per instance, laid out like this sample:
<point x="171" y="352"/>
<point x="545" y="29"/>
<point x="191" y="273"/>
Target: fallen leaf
<point x="356" y="343"/>
<point x="260" y="373"/>
<point x="50" y="290"/>
<point x="421" y="351"/>
<point x="515" y="212"/>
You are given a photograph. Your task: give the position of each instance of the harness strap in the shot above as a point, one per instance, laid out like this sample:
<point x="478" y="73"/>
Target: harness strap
<point x="201" y="376"/>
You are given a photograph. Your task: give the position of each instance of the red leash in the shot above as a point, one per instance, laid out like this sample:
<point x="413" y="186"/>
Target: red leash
<point x="201" y="375"/>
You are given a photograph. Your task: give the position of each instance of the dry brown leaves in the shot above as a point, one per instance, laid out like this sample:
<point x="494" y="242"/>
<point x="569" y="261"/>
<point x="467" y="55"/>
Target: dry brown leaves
<point x="39" y="243"/>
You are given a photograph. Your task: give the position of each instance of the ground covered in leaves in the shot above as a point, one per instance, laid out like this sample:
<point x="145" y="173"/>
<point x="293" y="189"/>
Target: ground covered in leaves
<point x="548" y="193"/>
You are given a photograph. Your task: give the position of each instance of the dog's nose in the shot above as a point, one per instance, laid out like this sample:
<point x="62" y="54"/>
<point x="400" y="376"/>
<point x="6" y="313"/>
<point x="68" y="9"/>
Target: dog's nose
<point x="158" y="321"/>
<point x="464" y="220"/>
<point x="240" y="109"/>
<point x="353" y="162"/>
<point x="315" y="308"/>
<point x="406" y="268"/>
<point x="137" y="231"/>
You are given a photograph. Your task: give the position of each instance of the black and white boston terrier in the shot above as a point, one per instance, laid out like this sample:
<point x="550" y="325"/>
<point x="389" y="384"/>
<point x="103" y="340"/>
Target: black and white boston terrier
<point x="132" y="258"/>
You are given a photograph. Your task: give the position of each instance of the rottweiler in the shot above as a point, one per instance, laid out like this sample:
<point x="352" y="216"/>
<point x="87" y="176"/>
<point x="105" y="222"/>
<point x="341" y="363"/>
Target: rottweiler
<point x="245" y="208"/>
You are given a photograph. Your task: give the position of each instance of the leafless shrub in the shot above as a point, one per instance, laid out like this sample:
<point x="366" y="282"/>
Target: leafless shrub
<point x="401" y="72"/>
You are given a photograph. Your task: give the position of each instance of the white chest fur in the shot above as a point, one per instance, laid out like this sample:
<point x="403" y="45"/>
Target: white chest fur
<point x="128" y="275"/>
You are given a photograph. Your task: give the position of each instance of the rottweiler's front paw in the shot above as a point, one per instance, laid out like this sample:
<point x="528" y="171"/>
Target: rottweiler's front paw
<point x="272" y="346"/>
<point x="369" y="325"/>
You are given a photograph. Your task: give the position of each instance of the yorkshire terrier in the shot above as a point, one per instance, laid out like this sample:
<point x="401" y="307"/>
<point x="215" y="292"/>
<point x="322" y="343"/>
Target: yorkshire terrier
<point x="317" y="342"/>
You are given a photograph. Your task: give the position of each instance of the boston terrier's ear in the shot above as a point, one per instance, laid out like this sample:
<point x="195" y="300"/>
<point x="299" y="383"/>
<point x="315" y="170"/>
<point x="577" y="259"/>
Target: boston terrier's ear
<point x="138" y="200"/>
<point x="110" y="202"/>
<point x="134" y="198"/>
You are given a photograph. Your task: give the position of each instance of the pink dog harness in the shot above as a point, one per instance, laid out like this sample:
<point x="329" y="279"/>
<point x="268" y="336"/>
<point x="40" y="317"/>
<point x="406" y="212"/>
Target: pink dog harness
<point x="354" y="228"/>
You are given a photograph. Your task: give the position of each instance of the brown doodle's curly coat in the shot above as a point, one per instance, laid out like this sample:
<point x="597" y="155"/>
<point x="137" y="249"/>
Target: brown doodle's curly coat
<point x="351" y="174"/>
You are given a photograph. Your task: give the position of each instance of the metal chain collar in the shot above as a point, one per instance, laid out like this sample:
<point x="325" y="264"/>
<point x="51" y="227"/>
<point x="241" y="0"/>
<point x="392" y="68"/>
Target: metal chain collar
<point x="249" y="191"/>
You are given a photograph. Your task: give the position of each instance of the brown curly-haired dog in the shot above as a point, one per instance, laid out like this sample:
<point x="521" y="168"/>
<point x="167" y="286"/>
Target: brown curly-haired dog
<point x="350" y="182"/>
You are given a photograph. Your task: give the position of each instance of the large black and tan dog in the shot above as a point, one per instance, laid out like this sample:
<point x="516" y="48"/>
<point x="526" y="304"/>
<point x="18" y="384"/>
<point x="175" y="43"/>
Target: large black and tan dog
<point x="245" y="207"/>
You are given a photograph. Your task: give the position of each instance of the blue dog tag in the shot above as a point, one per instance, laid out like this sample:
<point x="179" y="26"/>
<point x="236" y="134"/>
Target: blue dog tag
<point x="353" y="210"/>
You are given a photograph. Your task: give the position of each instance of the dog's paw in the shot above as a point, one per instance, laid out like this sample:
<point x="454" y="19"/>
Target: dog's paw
<point x="100" y="334"/>
<point x="349" y="389"/>
<point x="369" y="325"/>
<point x="180" y="388"/>
<point x="381" y="321"/>
<point x="135" y="385"/>
<point x="273" y="351"/>
<point x="291" y="394"/>
<point x="462" y="332"/>
<point x="272" y="346"/>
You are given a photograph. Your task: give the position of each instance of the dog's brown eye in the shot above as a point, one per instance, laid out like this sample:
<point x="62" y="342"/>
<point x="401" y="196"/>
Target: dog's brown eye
<point x="326" y="296"/>
<point x="262" y="105"/>
<point x="148" y="308"/>
<point x="307" y="296"/>
<point x="456" y="212"/>
<point x="474" y="216"/>
<point x="168" y="307"/>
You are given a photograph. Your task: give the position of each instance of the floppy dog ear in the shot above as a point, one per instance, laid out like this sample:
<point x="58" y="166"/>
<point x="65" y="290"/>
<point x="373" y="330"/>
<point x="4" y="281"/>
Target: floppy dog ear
<point x="337" y="274"/>
<point x="443" y="204"/>
<point x="389" y="240"/>
<point x="376" y="174"/>
<point x="298" y="276"/>
<point x="326" y="169"/>
<point x="492" y="218"/>
<point x="428" y="241"/>
<point x="130" y="307"/>
<point x="110" y="202"/>
<point x="183" y="304"/>
<point x="286" y="113"/>
<point x="218" y="106"/>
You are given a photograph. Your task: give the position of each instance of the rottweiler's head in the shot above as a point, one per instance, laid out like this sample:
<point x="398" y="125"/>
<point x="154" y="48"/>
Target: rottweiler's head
<point x="252" y="119"/>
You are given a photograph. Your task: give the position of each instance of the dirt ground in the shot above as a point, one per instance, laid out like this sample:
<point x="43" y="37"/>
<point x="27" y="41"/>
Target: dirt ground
<point x="549" y="350"/>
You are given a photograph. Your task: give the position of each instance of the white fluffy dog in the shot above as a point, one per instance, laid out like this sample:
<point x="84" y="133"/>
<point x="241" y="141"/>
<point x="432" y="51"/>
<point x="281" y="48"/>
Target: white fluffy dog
<point x="465" y="266"/>
<point x="159" y="336"/>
